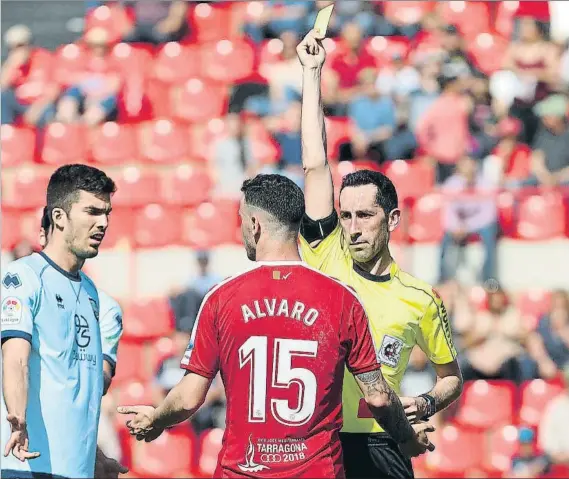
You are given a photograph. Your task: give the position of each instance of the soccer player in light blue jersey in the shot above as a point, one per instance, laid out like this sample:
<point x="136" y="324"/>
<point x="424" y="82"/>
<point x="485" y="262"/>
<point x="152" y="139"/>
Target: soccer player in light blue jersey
<point x="51" y="340"/>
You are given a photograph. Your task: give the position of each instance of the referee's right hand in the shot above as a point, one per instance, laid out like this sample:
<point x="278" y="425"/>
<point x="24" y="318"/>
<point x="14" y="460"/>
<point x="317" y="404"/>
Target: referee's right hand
<point x="19" y="442"/>
<point x="420" y="443"/>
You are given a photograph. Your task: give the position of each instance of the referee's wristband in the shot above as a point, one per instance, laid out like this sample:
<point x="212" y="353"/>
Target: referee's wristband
<point x="431" y="405"/>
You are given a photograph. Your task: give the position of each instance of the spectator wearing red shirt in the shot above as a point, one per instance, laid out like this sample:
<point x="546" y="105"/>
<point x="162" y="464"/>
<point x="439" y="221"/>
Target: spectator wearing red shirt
<point x="27" y="90"/>
<point x="93" y="96"/>
<point x="539" y="11"/>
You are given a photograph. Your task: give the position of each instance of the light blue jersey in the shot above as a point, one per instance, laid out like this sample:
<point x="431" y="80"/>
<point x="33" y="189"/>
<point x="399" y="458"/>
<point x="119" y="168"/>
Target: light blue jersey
<point x="110" y="323"/>
<point x="58" y="314"/>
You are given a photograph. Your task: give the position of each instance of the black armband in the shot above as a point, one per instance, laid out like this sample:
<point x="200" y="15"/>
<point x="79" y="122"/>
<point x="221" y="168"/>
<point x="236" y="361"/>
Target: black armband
<point x="312" y="230"/>
<point x="431" y="405"/>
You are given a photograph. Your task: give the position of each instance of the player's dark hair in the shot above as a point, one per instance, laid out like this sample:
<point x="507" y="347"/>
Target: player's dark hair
<point x="278" y="196"/>
<point x="386" y="193"/>
<point x="45" y="221"/>
<point x="68" y="181"/>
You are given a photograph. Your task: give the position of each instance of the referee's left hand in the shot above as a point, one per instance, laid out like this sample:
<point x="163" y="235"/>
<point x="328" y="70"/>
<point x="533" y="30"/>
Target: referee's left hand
<point x="414" y="408"/>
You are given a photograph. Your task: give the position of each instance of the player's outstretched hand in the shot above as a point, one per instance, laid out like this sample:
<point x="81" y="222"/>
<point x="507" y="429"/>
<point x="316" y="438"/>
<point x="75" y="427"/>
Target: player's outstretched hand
<point x="142" y="425"/>
<point x="310" y="51"/>
<point x="420" y="443"/>
<point x="18" y="442"/>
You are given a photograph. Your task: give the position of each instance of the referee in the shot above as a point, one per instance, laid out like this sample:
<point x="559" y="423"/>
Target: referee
<point x="354" y="248"/>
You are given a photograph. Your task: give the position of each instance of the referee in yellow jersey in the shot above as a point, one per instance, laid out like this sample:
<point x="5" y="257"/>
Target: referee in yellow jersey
<point x="354" y="248"/>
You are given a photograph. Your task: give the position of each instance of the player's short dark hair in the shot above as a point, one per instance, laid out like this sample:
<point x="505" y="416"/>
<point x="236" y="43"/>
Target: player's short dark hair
<point x="278" y="196"/>
<point x="45" y="220"/>
<point x="68" y="181"/>
<point x="386" y="193"/>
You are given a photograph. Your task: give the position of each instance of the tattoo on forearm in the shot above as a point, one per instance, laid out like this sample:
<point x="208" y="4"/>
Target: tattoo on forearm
<point x="446" y="391"/>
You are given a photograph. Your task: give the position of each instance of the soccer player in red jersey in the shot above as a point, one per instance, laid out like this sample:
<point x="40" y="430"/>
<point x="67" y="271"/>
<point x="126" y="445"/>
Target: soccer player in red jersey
<point x="281" y="335"/>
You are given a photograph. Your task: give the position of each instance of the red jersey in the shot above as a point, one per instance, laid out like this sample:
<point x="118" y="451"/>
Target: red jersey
<point x="281" y="335"/>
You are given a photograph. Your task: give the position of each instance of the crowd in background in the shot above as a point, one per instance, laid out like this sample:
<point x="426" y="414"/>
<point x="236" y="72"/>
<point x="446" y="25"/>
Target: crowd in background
<point x="479" y="123"/>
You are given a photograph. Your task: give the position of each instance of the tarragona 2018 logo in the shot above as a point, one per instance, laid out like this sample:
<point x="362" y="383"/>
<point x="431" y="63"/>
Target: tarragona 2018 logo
<point x="250" y="464"/>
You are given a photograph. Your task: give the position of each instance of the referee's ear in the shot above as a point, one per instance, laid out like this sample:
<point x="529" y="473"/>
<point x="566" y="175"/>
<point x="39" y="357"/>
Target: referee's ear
<point x="393" y="219"/>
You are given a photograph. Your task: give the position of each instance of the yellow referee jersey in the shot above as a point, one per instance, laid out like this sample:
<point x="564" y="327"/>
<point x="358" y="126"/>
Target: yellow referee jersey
<point x="403" y="311"/>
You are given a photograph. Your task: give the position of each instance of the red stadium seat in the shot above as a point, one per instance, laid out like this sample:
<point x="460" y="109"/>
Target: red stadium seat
<point x="176" y="63"/>
<point x="18" y="145"/>
<point x="534" y="302"/>
<point x="210" y="446"/>
<point x="64" y="143"/>
<point x="535" y="395"/>
<point x="411" y="179"/>
<point x="211" y="22"/>
<point x="130" y="362"/>
<point x="197" y="100"/>
<point x="542" y="216"/>
<point x="204" y="228"/>
<point x="501" y="446"/>
<point x="38" y="77"/>
<point x="186" y="185"/>
<point x="156" y="227"/>
<point x="228" y="61"/>
<point x="148" y="319"/>
<point x="171" y="455"/>
<point x="337" y="132"/>
<point x="264" y="149"/>
<point x="471" y="18"/>
<point x="507" y="213"/>
<point x="114" y="144"/>
<point x="120" y="229"/>
<point x="270" y="52"/>
<point x="488" y="52"/>
<point x="133" y="61"/>
<point x="163" y="141"/>
<point x="384" y="48"/>
<point x="425" y="219"/>
<point x="478" y="298"/>
<point x="70" y="61"/>
<point x="158" y="93"/>
<point x="407" y="12"/>
<point x="112" y="18"/>
<point x="24" y="188"/>
<point x="160" y="350"/>
<point x="11" y="233"/>
<point x="135" y="186"/>
<point x="486" y="404"/>
<point x="504" y="23"/>
<point x="132" y="393"/>
<point x="457" y="451"/>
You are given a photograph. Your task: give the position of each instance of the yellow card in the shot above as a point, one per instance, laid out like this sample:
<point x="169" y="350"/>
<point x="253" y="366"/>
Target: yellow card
<point x="322" y="19"/>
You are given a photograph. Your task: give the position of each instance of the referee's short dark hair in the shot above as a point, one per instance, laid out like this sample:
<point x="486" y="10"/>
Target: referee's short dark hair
<point x="277" y="195"/>
<point x="386" y="192"/>
<point x="68" y="181"/>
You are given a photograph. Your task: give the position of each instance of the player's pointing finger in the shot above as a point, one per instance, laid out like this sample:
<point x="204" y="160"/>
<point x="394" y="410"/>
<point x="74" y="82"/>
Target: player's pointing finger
<point x="129" y="409"/>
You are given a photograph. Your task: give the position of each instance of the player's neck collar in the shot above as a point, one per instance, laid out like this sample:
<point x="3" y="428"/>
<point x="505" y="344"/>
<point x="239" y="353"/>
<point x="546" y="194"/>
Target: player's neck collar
<point x="383" y="278"/>
<point x="67" y="274"/>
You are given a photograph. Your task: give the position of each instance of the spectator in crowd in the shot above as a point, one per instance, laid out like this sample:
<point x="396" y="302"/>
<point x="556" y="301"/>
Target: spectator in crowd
<point x="457" y="62"/>
<point x="510" y="160"/>
<point x="535" y="62"/>
<point x="549" y="344"/>
<point x="357" y="11"/>
<point x="442" y="132"/>
<point x="94" y="94"/>
<point x="157" y="21"/>
<point x="278" y="16"/>
<point x="398" y="79"/>
<point x="493" y="342"/>
<point x="482" y="120"/>
<point x="553" y="437"/>
<point x="402" y="144"/>
<point x="550" y="160"/>
<point x="469" y="208"/>
<point x="428" y="91"/>
<point x="28" y="92"/>
<point x="185" y="306"/>
<point x="527" y="462"/>
<point x="205" y="279"/>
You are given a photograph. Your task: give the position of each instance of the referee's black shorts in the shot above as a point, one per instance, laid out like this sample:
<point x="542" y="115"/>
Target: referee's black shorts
<point x="374" y="456"/>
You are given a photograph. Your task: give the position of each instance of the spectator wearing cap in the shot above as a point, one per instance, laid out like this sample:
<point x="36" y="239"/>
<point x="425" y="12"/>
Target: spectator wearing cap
<point x="510" y="160"/>
<point x="157" y="21"/>
<point x="455" y="58"/>
<point x="527" y="462"/>
<point x="28" y="90"/>
<point x="469" y="209"/>
<point x="94" y="94"/>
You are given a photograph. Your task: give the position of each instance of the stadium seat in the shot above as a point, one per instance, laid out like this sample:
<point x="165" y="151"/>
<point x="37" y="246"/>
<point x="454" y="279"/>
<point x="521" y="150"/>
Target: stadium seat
<point x="70" y="60"/>
<point x="384" y="48"/>
<point x="112" y="18"/>
<point x="197" y="100"/>
<point x="337" y="132"/>
<point x="488" y="52"/>
<point x="156" y="227"/>
<point x="270" y="52"/>
<point x="120" y="230"/>
<point x="148" y="319"/>
<point x="486" y="404"/>
<point x="471" y="18"/>
<point x="18" y="145"/>
<point x="264" y="149"/>
<point x="175" y="63"/>
<point x="210" y="446"/>
<point x="203" y="228"/>
<point x="507" y="213"/>
<point x="64" y="143"/>
<point x="534" y="302"/>
<point x="11" y="232"/>
<point x="131" y="393"/>
<point x="171" y="455"/>
<point x="159" y="350"/>
<point x="24" y="188"/>
<point x="425" y="219"/>
<point x="501" y="445"/>
<point x="541" y="216"/>
<point x="185" y="185"/>
<point x="163" y="141"/>
<point x="135" y="186"/>
<point x="133" y="61"/>
<point x="38" y="77"/>
<point x="411" y="179"/>
<point x="478" y="298"/>
<point x="130" y="363"/>
<point x="211" y="22"/>
<point x="535" y="395"/>
<point x="457" y="450"/>
<point x="113" y="144"/>
<point x="227" y="61"/>
<point x="504" y="23"/>
<point x="407" y="12"/>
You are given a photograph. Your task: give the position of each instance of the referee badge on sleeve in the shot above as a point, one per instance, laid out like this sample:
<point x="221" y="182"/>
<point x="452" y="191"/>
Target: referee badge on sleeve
<point x="390" y="351"/>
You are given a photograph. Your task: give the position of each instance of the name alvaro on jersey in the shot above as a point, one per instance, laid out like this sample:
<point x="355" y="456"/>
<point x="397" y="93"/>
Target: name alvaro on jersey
<point x="275" y="307"/>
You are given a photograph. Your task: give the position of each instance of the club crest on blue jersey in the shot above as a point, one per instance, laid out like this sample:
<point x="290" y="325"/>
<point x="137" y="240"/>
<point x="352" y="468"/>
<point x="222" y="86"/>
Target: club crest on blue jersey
<point x="11" y="280"/>
<point x="82" y="333"/>
<point x="95" y="308"/>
